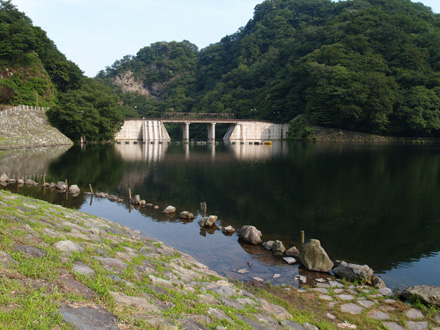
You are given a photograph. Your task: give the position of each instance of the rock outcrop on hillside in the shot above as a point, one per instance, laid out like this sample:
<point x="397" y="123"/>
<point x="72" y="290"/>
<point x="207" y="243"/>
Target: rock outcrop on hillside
<point x="27" y="129"/>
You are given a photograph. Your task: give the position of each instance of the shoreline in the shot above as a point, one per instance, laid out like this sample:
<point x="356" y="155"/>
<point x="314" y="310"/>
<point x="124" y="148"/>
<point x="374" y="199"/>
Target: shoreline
<point x="137" y="282"/>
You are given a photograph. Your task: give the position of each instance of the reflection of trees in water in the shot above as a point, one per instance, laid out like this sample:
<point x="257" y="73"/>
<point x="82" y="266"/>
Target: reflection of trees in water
<point x="99" y="165"/>
<point x="367" y="204"/>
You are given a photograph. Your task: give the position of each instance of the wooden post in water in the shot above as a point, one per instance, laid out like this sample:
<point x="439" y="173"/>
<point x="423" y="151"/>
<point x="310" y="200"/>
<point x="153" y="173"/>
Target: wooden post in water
<point x="205" y="209"/>
<point x="91" y="189"/>
<point x="129" y="195"/>
<point x="44" y="179"/>
<point x="302" y="237"/>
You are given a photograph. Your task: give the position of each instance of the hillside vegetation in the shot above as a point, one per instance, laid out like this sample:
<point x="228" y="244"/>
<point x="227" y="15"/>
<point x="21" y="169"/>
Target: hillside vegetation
<point x="34" y="72"/>
<point x="364" y="65"/>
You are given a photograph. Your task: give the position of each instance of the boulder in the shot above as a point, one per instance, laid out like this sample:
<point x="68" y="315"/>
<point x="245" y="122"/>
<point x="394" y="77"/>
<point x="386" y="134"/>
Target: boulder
<point x="12" y="181"/>
<point x="427" y="294"/>
<point x="31" y="182"/>
<point x="314" y="257"/>
<point x="250" y="235"/>
<point x="292" y="252"/>
<point x="101" y="195"/>
<point x="74" y="189"/>
<point x="4" y="178"/>
<point x="135" y="200"/>
<point x="61" y="185"/>
<point x="52" y="184"/>
<point x="142" y="203"/>
<point x="228" y="230"/>
<point x="268" y="245"/>
<point x="113" y="198"/>
<point x="208" y="221"/>
<point x="353" y="272"/>
<point x="278" y="248"/>
<point x="186" y="215"/>
<point x="377" y="282"/>
<point x="169" y="209"/>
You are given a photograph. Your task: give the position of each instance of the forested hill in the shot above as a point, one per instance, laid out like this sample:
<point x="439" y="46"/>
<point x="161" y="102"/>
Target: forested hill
<point x="34" y="72"/>
<point x="364" y="65"/>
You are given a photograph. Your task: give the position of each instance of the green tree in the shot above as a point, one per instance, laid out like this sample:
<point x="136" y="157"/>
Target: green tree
<point x="91" y="111"/>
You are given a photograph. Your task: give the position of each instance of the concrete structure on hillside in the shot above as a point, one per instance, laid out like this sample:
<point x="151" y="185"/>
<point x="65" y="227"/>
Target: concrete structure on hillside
<point x="240" y="130"/>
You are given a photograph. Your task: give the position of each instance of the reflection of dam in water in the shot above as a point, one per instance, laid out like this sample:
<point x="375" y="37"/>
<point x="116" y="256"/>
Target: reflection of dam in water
<point x="142" y="151"/>
<point x="155" y="152"/>
<point x="30" y="162"/>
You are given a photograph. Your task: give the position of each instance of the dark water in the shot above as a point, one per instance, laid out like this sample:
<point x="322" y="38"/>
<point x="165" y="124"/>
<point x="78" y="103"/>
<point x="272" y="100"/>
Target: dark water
<point x="370" y="204"/>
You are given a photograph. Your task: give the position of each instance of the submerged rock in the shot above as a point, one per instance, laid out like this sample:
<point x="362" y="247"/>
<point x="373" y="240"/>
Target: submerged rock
<point x="208" y="221"/>
<point x="31" y="182"/>
<point x="74" y="189"/>
<point x="60" y="185"/>
<point x="250" y="235"/>
<point x="169" y="209"/>
<point x="228" y="230"/>
<point x="4" y="178"/>
<point x="314" y="257"/>
<point x="186" y="215"/>
<point x="135" y="200"/>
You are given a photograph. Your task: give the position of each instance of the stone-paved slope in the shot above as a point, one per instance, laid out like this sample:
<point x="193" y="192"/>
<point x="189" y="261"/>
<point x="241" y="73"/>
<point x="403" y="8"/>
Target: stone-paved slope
<point x="63" y="269"/>
<point x="29" y="128"/>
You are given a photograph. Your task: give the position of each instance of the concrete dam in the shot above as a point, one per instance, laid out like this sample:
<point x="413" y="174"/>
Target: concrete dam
<point x="239" y="130"/>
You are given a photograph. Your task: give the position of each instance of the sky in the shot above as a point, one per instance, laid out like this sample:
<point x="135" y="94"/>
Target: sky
<point x="96" y="33"/>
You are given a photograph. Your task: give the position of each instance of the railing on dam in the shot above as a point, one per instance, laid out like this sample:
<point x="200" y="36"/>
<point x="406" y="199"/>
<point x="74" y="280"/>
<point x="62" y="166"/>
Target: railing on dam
<point x="179" y="116"/>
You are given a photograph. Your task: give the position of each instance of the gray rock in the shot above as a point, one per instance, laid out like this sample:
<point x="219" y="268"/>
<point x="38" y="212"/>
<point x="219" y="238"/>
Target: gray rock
<point x="268" y="245"/>
<point x="290" y="260"/>
<point x="292" y="252"/>
<point x="169" y="209"/>
<point x="393" y="326"/>
<point x="275" y="310"/>
<point x="351" y="308"/>
<point x="377" y="282"/>
<point x="111" y="262"/>
<point x="417" y="325"/>
<point x="68" y="246"/>
<point x="278" y="248"/>
<point x="30" y="251"/>
<point x="314" y="257"/>
<point x="186" y="215"/>
<point x="135" y="200"/>
<point x="143" y="203"/>
<point x="51" y="185"/>
<point x="61" y="185"/>
<point x="82" y="268"/>
<point x="74" y="189"/>
<point x="113" y="198"/>
<point x="208" y="221"/>
<point x="250" y="235"/>
<point x="228" y="230"/>
<point x="4" y="178"/>
<point x="88" y="318"/>
<point x="428" y="294"/>
<point x="6" y="259"/>
<point x="378" y="315"/>
<point x="137" y="302"/>
<point x="414" y="314"/>
<point x="31" y="182"/>
<point x="353" y="272"/>
<point x="292" y="325"/>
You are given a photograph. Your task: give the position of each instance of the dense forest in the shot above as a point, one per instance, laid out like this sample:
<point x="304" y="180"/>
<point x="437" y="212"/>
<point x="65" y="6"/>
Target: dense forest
<point x="364" y="65"/>
<point x="34" y="72"/>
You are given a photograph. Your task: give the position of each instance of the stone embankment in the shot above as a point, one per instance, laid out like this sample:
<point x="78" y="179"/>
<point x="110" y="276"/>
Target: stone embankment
<point x="25" y="127"/>
<point x="61" y="268"/>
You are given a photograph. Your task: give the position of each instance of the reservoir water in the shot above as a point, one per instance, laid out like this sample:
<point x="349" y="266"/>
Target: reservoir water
<point x="368" y="204"/>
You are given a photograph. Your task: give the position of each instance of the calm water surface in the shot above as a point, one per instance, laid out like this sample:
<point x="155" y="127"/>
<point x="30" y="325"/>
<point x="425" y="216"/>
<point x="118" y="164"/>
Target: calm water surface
<point x="369" y="204"/>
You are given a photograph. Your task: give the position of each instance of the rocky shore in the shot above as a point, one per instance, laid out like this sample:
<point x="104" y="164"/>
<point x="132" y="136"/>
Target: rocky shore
<point x="63" y="269"/>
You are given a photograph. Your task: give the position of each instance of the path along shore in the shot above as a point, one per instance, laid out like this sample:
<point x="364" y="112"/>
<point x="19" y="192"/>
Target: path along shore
<point x="63" y="269"/>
